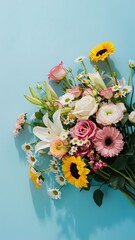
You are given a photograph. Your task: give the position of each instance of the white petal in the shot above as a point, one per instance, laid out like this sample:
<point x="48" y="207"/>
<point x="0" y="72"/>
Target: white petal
<point x="50" y="124"/>
<point x="57" y="121"/>
<point x="42" y="133"/>
<point x="41" y="145"/>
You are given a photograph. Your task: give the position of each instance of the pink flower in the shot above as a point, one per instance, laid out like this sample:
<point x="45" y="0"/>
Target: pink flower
<point x="87" y="92"/>
<point x="109" y="114"/>
<point x="106" y="93"/>
<point x="76" y="91"/>
<point x="19" y="123"/>
<point x="57" y="73"/>
<point x="84" y="129"/>
<point x="99" y="165"/>
<point x="108" y="142"/>
<point x="58" y="104"/>
<point x="58" y="147"/>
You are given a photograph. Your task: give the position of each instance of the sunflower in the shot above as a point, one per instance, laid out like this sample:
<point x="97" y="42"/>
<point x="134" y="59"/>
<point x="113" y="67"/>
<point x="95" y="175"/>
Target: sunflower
<point x="101" y="52"/>
<point x="75" y="171"/>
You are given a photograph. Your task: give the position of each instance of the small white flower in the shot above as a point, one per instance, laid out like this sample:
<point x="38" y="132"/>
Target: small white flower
<point x="127" y="89"/>
<point x="116" y="88"/>
<point x="87" y="143"/>
<point x="80" y="75"/>
<point x="80" y="142"/>
<point x="73" y="149"/>
<point x="54" y="193"/>
<point x="31" y="159"/>
<point x="54" y="166"/>
<point x="66" y="121"/>
<point x="60" y="179"/>
<point x="64" y="135"/>
<point x="27" y="148"/>
<point x="74" y="141"/>
<point x="66" y="98"/>
<point x="79" y="59"/>
<point x="131" y="63"/>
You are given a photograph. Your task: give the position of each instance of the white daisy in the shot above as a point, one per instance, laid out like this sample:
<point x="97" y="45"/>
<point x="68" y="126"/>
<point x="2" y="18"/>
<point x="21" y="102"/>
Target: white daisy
<point x="54" y="193"/>
<point x="80" y="75"/>
<point x="116" y="88"/>
<point x="131" y="63"/>
<point x="60" y="179"/>
<point x="54" y="166"/>
<point x="87" y="142"/>
<point x="79" y="59"/>
<point x="73" y="149"/>
<point x="80" y="142"/>
<point x="127" y="89"/>
<point x="66" y="98"/>
<point x="31" y="159"/>
<point x="64" y="135"/>
<point x="74" y="141"/>
<point x="27" y="148"/>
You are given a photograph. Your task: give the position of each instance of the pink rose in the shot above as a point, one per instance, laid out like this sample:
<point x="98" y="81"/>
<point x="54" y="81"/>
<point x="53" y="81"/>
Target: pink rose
<point x="106" y="93"/>
<point x="84" y="129"/>
<point x="87" y="92"/>
<point x="76" y="91"/>
<point x="57" y="73"/>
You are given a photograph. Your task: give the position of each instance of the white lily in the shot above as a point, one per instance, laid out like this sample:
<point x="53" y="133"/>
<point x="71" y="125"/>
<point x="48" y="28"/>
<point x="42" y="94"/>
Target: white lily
<point x="48" y="133"/>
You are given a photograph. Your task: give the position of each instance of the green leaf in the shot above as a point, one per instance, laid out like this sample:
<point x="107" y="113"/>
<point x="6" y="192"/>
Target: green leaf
<point x="33" y="100"/>
<point x="120" y="163"/>
<point x="98" y="178"/>
<point x="33" y="92"/>
<point x="98" y="197"/>
<point x="50" y="93"/>
<point x="39" y="115"/>
<point x="124" y="119"/>
<point x="117" y="182"/>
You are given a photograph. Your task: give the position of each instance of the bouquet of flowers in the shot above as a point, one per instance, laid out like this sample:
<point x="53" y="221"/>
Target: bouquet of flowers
<point x="88" y="131"/>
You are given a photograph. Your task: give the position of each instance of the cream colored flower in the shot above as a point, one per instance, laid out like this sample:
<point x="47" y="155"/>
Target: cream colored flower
<point x="85" y="107"/>
<point x="131" y="117"/>
<point x="109" y="114"/>
<point x="97" y="81"/>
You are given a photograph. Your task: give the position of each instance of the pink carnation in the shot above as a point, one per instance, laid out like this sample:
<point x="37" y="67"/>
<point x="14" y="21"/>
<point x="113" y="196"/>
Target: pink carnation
<point x="84" y="129"/>
<point x="106" y="93"/>
<point x="87" y="92"/>
<point x="76" y="91"/>
<point x="19" y="123"/>
<point x="57" y="73"/>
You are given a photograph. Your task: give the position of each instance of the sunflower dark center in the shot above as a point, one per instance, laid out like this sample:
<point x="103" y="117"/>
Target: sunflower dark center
<point x="74" y="170"/>
<point x="108" y="141"/>
<point x="101" y="52"/>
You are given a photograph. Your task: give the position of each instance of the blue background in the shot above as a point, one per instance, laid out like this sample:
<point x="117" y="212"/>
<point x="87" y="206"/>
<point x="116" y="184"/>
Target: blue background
<point x="34" y="37"/>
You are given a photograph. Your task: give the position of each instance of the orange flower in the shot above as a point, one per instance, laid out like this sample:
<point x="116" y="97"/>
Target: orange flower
<point x="58" y="148"/>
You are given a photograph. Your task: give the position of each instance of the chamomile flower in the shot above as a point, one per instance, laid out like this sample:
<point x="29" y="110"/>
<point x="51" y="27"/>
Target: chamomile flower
<point x="80" y="142"/>
<point x="87" y="142"/>
<point x="54" y="193"/>
<point x="66" y="121"/>
<point x="127" y="89"/>
<point x="74" y="141"/>
<point x="73" y="149"/>
<point x="131" y="63"/>
<point x="54" y="166"/>
<point x="66" y="98"/>
<point x="31" y="159"/>
<point x="64" y="135"/>
<point x="79" y="59"/>
<point x="27" y="148"/>
<point x="60" y="179"/>
<point x="80" y="75"/>
<point x="116" y="88"/>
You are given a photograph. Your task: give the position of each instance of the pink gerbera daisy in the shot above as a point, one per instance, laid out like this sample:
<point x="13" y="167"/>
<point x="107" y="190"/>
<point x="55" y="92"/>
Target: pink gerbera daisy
<point x="108" y="142"/>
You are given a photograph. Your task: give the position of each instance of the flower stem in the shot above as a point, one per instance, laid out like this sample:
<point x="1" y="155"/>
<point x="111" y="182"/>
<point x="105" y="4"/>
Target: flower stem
<point x="28" y="124"/>
<point x="122" y="174"/>
<point x="45" y="170"/>
<point x="110" y="70"/>
<point x="85" y="69"/>
<point x="67" y="83"/>
<point x="130" y="75"/>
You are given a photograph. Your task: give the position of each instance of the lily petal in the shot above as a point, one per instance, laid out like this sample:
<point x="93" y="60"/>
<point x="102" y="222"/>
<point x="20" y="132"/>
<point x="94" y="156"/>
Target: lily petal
<point x="57" y="121"/>
<point x="41" y="145"/>
<point x="50" y="124"/>
<point x="42" y="133"/>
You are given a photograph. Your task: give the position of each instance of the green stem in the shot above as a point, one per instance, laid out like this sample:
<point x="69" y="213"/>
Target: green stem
<point x="110" y="70"/>
<point x="28" y="124"/>
<point x="129" y="78"/>
<point x="131" y="172"/>
<point x="122" y="174"/>
<point x="67" y="83"/>
<point x="45" y="170"/>
<point x="85" y="69"/>
<point x="128" y="197"/>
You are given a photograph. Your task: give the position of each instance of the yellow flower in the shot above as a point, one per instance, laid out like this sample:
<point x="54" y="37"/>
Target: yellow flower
<point x="101" y="52"/>
<point x="35" y="177"/>
<point x="75" y="171"/>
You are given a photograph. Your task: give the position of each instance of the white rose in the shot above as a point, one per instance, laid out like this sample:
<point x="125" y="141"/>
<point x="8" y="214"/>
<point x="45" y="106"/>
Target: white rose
<point x="121" y="106"/>
<point x="85" y="107"/>
<point x="97" y="81"/>
<point x="131" y="117"/>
